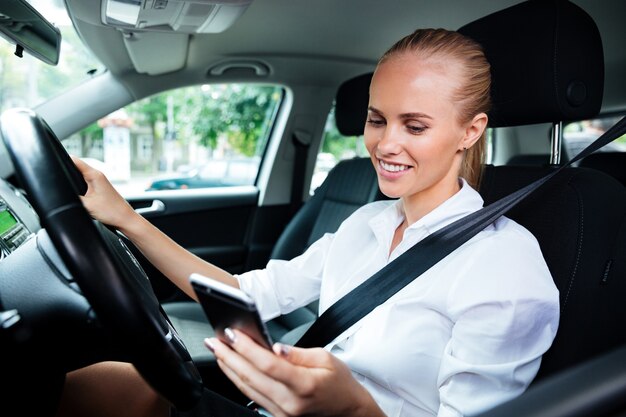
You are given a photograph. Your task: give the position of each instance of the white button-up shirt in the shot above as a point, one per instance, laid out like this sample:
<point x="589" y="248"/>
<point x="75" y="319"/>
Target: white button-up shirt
<point x="465" y="336"/>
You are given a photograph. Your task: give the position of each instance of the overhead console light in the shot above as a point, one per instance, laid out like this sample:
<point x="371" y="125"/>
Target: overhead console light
<point x="181" y="16"/>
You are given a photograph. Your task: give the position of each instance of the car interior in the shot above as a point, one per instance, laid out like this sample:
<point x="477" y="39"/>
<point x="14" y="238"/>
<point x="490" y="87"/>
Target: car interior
<point x="80" y="289"/>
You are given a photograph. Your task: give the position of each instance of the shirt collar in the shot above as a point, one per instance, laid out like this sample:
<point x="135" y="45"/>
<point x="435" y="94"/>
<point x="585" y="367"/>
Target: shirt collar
<point x="465" y="201"/>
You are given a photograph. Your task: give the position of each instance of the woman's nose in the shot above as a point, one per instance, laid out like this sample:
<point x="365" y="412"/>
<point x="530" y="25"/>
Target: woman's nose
<point x="388" y="142"/>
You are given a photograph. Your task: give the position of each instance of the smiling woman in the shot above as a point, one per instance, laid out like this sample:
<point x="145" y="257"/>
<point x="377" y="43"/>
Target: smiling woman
<point x="474" y="339"/>
<point x="192" y="106"/>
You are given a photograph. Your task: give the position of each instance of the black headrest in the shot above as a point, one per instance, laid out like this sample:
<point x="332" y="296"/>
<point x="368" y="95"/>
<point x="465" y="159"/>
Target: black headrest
<point x="351" y="105"/>
<point x="547" y="62"/>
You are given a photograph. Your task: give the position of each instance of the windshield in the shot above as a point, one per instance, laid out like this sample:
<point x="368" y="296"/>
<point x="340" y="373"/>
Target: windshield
<point x="27" y="82"/>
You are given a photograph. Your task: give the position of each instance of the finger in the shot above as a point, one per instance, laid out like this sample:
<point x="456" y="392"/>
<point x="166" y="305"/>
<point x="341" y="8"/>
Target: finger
<point x="309" y="358"/>
<point x="86" y="171"/>
<point x="82" y="166"/>
<point x="76" y="160"/>
<point x="248" y="348"/>
<point x="247" y="371"/>
<point x="295" y="377"/>
<point x="249" y="391"/>
<point x="265" y="360"/>
<point x="91" y="174"/>
<point x="263" y="390"/>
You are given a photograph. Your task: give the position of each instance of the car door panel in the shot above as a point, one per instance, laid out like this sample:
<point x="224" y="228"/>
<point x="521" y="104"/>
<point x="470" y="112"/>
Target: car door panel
<point x="213" y="224"/>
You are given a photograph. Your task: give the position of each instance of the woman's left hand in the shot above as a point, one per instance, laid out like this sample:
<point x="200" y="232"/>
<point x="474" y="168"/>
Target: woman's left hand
<point x="292" y="381"/>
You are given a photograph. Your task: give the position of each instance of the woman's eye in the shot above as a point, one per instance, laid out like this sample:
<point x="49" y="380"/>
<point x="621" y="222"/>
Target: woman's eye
<point x="415" y="129"/>
<point x="375" y="122"/>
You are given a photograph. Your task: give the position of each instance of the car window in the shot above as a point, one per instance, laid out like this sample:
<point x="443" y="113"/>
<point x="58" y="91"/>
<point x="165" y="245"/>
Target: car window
<point x="193" y="137"/>
<point x="27" y="81"/>
<point x="578" y="135"/>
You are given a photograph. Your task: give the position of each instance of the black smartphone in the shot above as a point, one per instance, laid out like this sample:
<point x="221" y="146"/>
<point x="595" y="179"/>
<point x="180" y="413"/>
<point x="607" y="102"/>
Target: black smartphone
<point x="226" y="306"/>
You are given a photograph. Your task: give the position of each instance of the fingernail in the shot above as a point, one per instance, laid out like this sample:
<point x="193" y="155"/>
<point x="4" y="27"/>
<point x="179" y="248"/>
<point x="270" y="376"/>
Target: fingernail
<point x="208" y="343"/>
<point x="282" y="350"/>
<point x="230" y="335"/>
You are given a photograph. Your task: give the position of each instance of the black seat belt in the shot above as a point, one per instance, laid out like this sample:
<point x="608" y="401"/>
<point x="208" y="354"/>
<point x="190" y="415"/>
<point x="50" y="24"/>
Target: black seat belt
<point x="424" y="254"/>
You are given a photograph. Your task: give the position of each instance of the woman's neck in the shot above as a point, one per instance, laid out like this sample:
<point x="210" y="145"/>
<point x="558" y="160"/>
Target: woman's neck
<point x="420" y="204"/>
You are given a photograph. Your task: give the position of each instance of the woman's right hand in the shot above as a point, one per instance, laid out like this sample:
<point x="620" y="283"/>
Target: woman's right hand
<point x="102" y="200"/>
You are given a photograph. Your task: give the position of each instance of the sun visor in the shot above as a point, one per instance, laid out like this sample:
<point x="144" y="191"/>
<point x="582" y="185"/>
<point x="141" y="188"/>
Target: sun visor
<point x="181" y="16"/>
<point x="154" y="27"/>
<point x="547" y="62"/>
<point x="146" y="51"/>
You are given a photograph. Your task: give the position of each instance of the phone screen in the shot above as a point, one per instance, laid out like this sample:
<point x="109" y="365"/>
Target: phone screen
<point x="226" y="306"/>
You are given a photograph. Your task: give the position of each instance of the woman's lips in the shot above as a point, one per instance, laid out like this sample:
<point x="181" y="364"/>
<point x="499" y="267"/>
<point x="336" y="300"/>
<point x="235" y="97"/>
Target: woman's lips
<point x="392" y="170"/>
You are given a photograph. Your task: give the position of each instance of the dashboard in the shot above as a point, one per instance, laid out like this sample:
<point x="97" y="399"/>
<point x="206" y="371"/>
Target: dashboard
<point x="18" y="220"/>
<point x="12" y="231"/>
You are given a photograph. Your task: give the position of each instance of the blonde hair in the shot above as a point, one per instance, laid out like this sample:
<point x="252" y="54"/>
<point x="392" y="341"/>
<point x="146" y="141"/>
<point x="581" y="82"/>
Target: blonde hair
<point x="472" y="95"/>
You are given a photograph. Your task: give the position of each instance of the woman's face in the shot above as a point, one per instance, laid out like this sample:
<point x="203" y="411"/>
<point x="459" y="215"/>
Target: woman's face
<point x="412" y="131"/>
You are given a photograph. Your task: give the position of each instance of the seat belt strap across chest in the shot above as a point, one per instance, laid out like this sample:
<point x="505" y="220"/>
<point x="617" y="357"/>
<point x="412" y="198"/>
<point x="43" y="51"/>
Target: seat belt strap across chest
<point x="423" y="255"/>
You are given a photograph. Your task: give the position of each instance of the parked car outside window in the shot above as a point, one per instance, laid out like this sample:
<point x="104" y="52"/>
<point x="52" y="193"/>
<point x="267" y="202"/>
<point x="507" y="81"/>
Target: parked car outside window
<point x="216" y="173"/>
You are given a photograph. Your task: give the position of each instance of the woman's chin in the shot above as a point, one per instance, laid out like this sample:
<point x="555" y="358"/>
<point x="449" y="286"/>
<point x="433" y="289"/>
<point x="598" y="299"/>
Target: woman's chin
<point x="390" y="192"/>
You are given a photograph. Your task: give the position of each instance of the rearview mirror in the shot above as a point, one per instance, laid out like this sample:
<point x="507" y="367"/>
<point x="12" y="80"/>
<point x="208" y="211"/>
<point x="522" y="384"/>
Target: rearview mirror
<point x="22" y="25"/>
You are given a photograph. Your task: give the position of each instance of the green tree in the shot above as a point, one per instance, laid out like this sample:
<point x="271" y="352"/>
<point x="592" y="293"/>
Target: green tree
<point x="238" y="114"/>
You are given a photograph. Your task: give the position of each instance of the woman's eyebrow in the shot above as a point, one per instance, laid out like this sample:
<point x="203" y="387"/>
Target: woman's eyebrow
<point x="416" y="115"/>
<point x="375" y="110"/>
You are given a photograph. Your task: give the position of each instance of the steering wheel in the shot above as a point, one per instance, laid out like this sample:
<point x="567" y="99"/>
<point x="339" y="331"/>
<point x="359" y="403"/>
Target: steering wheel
<point x="107" y="273"/>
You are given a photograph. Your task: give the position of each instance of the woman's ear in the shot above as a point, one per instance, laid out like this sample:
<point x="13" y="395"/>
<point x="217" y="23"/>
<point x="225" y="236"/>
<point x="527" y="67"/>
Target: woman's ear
<point x="474" y="131"/>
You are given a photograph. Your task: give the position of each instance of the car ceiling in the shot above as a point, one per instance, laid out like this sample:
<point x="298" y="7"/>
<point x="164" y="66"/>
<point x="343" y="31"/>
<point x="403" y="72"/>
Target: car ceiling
<point x="319" y="42"/>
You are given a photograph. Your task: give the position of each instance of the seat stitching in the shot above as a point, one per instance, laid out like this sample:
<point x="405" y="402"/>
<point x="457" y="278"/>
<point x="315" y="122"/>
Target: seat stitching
<point x="580" y="243"/>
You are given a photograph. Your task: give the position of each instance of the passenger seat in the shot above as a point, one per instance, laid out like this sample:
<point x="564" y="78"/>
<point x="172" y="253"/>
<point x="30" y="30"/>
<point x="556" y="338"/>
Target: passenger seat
<point x="611" y="163"/>
<point x="539" y="159"/>
<point x="350" y="184"/>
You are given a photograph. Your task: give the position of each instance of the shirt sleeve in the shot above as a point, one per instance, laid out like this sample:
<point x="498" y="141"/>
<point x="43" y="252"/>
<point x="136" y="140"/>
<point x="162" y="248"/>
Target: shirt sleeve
<point x="284" y="286"/>
<point x="505" y="311"/>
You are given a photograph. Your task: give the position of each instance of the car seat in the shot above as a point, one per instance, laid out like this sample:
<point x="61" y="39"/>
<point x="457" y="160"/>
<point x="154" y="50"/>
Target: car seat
<point x="611" y="163"/>
<point x="552" y="71"/>
<point x="539" y="159"/>
<point x="349" y="185"/>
